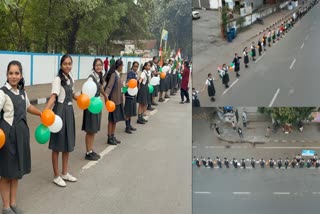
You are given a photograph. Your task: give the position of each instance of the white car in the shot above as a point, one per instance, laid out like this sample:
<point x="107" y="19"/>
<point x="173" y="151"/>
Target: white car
<point x="195" y="15"/>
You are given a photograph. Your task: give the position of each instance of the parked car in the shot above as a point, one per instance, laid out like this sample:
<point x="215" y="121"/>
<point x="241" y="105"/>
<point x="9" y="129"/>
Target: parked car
<point x="195" y="14"/>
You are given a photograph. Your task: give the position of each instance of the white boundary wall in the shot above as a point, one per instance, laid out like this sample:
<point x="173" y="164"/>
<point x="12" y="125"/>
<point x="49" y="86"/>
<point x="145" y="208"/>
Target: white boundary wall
<point x="40" y="68"/>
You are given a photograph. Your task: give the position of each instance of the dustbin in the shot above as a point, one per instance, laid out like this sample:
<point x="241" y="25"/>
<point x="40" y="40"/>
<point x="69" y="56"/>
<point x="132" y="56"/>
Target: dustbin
<point x="229" y="37"/>
<point x="233" y="32"/>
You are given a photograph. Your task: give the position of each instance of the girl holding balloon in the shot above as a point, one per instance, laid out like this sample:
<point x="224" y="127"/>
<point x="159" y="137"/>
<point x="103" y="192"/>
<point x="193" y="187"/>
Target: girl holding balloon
<point x="130" y="106"/>
<point x="15" y="159"/>
<point x="61" y="100"/>
<point x="92" y="121"/>
<point x="113" y="92"/>
<point x="143" y="92"/>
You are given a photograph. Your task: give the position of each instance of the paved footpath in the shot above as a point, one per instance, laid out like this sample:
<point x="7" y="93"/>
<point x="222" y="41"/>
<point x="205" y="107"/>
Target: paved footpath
<point x="139" y="176"/>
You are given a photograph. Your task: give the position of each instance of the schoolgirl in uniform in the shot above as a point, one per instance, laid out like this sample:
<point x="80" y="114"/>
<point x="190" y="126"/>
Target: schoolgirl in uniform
<point x="143" y="92"/>
<point x="210" y="87"/>
<point x="167" y="82"/>
<point x="15" y="158"/>
<point x="269" y="38"/>
<point x="253" y="51"/>
<point x="195" y="98"/>
<point x="245" y="57"/>
<point x="113" y="93"/>
<point x="264" y="41"/>
<point x="260" y="46"/>
<point x="61" y="100"/>
<point x="91" y="123"/>
<point x="130" y="106"/>
<point x="171" y="88"/>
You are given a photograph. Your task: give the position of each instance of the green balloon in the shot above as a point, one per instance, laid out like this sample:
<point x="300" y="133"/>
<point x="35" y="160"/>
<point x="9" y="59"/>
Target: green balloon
<point x="124" y="89"/>
<point x="160" y="69"/>
<point x="250" y="53"/>
<point x="42" y="134"/>
<point x="179" y="75"/>
<point x="151" y="88"/>
<point x="231" y="64"/>
<point x="96" y="105"/>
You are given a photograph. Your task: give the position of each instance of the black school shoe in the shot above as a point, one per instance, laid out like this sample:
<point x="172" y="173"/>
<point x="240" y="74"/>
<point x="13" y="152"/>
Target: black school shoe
<point x="111" y="141"/>
<point x="150" y="108"/>
<point x="96" y="154"/>
<point x="91" y="156"/>
<point x="132" y="128"/>
<point x="128" y="130"/>
<point x="116" y="140"/>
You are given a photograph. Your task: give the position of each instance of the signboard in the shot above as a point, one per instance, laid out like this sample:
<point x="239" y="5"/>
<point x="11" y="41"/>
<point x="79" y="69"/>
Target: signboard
<point x="307" y="153"/>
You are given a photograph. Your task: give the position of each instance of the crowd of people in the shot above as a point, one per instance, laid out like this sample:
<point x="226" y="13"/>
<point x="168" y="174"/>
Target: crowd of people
<point x="15" y="158"/>
<point x="267" y="39"/>
<point x="296" y="162"/>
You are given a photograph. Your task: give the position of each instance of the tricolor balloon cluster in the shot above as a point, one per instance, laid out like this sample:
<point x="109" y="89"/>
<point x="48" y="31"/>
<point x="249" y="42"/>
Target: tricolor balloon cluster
<point x="50" y="123"/>
<point x="231" y="67"/>
<point x="131" y="87"/>
<point x="88" y="100"/>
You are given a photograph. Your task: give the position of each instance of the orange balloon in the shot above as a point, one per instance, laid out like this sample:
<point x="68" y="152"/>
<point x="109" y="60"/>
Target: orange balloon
<point x="230" y="68"/>
<point x="132" y="83"/>
<point x="162" y="75"/>
<point x="2" y="138"/>
<point x="110" y="106"/>
<point x="83" y="101"/>
<point x="47" y="117"/>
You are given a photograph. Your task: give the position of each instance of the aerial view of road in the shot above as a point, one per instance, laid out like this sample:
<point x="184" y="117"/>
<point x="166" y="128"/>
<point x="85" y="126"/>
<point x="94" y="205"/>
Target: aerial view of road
<point x="286" y="74"/>
<point x="253" y="189"/>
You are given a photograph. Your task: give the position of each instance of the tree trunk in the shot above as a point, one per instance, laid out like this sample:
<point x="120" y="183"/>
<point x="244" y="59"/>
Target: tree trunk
<point x="46" y="43"/>
<point x="75" y="25"/>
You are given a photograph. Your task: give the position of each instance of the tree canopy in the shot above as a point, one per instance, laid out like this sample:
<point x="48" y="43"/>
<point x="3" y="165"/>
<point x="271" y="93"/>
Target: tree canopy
<point x="88" y="26"/>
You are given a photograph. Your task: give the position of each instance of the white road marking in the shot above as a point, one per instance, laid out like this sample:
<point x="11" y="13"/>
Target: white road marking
<point x="274" y="97"/>
<point x="307" y="37"/>
<point x="230" y="86"/>
<point x="259" y="58"/>
<point x="103" y="153"/>
<point x="265" y="147"/>
<point x="316" y="193"/>
<point x="281" y="193"/>
<point x="153" y="112"/>
<point x="166" y="100"/>
<point x="202" y="192"/>
<point x="292" y="64"/>
<point x="302" y="46"/>
<point x="241" y="193"/>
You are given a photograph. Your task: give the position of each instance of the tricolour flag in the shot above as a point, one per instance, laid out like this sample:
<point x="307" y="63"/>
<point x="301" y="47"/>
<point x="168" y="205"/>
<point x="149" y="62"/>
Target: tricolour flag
<point x="164" y="35"/>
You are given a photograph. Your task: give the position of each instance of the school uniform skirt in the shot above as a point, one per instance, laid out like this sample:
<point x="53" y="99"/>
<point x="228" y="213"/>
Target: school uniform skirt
<point x="175" y="80"/>
<point x="143" y="94"/>
<point x="168" y="82"/>
<point x="64" y="140"/>
<point x="15" y="158"/>
<point x="155" y="91"/>
<point x="91" y="123"/>
<point x="117" y="115"/>
<point x="211" y="91"/>
<point x="162" y="85"/>
<point x="130" y="106"/>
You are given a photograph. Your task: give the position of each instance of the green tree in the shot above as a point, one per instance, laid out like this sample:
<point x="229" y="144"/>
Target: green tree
<point x="288" y="115"/>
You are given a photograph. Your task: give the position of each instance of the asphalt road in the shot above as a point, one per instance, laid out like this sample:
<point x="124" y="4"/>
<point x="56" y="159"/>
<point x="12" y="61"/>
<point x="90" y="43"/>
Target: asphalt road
<point x="286" y="75"/>
<point x="255" y="191"/>
<point x="138" y="176"/>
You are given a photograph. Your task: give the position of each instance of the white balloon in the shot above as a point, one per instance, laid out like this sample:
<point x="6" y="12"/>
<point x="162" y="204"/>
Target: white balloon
<point x="133" y="91"/>
<point x="89" y="88"/>
<point x="57" y="125"/>
<point x="155" y="81"/>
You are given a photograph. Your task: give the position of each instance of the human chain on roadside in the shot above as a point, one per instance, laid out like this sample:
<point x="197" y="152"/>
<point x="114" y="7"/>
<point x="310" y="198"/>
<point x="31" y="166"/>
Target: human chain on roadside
<point x="268" y="38"/>
<point x="297" y="161"/>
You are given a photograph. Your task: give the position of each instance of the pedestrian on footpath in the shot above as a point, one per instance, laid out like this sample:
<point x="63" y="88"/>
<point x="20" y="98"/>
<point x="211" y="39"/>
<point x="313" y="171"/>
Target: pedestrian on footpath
<point x="63" y="141"/>
<point x="286" y="163"/>
<point x="163" y="82"/>
<point x="113" y="92"/>
<point x="154" y="72"/>
<point x="268" y="133"/>
<point x="204" y="162"/>
<point x="262" y="163"/>
<point x="143" y="92"/>
<point x="245" y="57"/>
<point x="309" y="163"/>
<point x="260" y="43"/>
<point x="195" y="98"/>
<point x="224" y="74"/>
<point x="234" y="126"/>
<point x="253" y="163"/>
<point x="112" y="61"/>
<point x="130" y="106"/>
<point x="269" y="37"/>
<point x="217" y="129"/>
<point x="210" y="87"/>
<point x="91" y="123"/>
<point x="264" y="41"/>
<point x="273" y="35"/>
<point x="236" y="62"/>
<point x="226" y="162"/>
<point x="244" y="119"/>
<point x="278" y="33"/>
<point x="167" y="81"/>
<point x="240" y="133"/>
<point x="184" y="83"/>
<point x="15" y="157"/>
<point x="253" y="51"/>
<point x="243" y="163"/>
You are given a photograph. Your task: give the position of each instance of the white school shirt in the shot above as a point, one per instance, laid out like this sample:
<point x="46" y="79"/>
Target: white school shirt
<point x="6" y="104"/>
<point x="59" y="90"/>
<point x="144" y="76"/>
<point x="96" y="76"/>
<point x="208" y="82"/>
